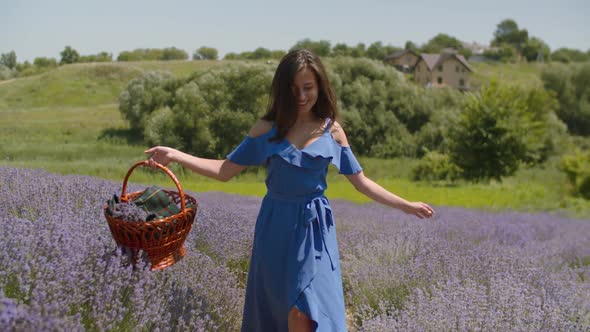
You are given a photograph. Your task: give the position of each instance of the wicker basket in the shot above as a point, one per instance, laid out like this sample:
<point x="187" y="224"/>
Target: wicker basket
<point x="162" y="239"/>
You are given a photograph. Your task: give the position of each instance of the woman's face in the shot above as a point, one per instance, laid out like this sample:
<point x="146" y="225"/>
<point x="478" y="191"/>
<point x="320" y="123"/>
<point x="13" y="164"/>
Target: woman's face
<point x="305" y="90"/>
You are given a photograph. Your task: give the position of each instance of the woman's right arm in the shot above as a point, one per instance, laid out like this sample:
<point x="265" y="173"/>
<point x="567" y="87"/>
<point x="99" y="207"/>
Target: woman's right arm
<point x="222" y="170"/>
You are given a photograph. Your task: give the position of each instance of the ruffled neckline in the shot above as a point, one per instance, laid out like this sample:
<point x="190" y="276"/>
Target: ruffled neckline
<point x="313" y="156"/>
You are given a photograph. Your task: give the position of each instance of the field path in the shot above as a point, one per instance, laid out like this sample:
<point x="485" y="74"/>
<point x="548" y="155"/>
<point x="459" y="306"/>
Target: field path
<point x="7" y="81"/>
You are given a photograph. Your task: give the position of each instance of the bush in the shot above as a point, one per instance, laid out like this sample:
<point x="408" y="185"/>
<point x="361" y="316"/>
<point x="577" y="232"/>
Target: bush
<point x="380" y="110"/>
<point x="501" y="127"/>
<point x="145" y="94"/>
<point x="209" y="113"/>
<point x="43" y="62"/>
<point x="577" y="169"/>
<point x="6" y="73"/>
<point x="571" y="86"/>
<point x="436" y="166"/>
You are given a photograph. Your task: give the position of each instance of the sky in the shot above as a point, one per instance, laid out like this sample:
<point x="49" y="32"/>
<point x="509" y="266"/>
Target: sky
<point x="41" y="28"/>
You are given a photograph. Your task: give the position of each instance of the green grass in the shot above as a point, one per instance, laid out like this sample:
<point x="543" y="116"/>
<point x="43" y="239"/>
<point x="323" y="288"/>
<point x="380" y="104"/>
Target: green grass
<point x="524" y="74"/>
<point x="67" y="121"/>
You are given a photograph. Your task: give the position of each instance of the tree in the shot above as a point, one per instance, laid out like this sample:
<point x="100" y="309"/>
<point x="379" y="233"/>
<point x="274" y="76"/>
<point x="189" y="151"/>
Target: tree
<point x="229" y="56"/>
<point x="504" y="53"/>
<point x="69" y="55"/>
<point x="43" y="62"/>
<point x="359" y="51"/>
<point x="100" y="57"/>
<point x="261" y="53"/>
<point x="507" y="32"/>
<point x="571" y="85"/>
<point x="341" y="49"/>
<point x="410" y="46"/>
<point x="569" y="55"/>
<point x="8" y="60"/>
<point x="173" y="53"/>
<point x="376" y="51"/>
<point x="321" y="48"/>
<point x="277" y="54"/>
<point x="536" y="50"/>
<point x="205" y="53"/>
<point x="499" y="128"/>
<point x="440" y="42"/>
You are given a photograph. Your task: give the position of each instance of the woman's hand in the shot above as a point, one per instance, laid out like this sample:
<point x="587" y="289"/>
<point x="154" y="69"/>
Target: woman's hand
<point x="419" y="209"/>
<point x="161" y="154"/>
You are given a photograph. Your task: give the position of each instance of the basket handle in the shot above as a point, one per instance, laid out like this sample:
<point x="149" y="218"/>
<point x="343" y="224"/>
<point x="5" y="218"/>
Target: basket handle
<point x="163" y="168"/>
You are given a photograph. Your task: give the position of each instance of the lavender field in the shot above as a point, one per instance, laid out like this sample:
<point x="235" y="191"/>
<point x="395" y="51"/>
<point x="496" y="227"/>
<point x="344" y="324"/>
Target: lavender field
<point x="463" y="270"/>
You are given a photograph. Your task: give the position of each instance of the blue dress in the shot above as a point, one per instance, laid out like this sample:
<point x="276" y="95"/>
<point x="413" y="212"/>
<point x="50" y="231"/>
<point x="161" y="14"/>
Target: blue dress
<point x="295" y="260"/>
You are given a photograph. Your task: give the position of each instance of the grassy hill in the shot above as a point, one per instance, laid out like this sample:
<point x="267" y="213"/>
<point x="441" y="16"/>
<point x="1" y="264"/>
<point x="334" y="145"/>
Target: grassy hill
<point x="524" y="74"/>
<point x="67" y="121"/>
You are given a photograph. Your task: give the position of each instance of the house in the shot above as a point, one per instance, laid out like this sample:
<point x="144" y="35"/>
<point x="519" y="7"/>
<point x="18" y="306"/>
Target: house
<point x="440" y="70"/>
<point x="403" y="60"/>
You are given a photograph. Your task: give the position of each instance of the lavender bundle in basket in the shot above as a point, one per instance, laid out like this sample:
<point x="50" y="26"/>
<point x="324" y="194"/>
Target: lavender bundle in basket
<point x="127" y="211"/>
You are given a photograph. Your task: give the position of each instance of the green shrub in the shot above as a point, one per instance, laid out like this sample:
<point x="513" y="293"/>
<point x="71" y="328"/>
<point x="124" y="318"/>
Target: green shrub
<point x="436" y="166"/>
<point x="145" y="94"/>
<point x="502" y="127"/>
<point x="577" y="169"/>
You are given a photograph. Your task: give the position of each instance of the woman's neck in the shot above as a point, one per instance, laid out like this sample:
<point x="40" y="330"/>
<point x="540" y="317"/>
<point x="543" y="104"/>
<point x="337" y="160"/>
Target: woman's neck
<point x="306" y="118"/>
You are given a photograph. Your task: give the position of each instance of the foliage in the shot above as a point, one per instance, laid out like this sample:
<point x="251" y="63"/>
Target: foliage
<point x="508" y="32"/>
<point x="210" y="113"/>
<point x="43" y="62"/>
<point x="410" y="45"/>
<point x="569" y="55"/>
<point x="442" y="41"/>
<point x="69" y="55"/>
<point x="100" y="57"/>
<point x="504" y="53"/>
<point x="377" y="51"/>
<point x="380" y="109"/>
<point x="257" y="54"/>
<point x="436" y="166"/>
<point x="464" y="270"/>
<point x="499" y="128"/>
<point x="571" y="86"/>
<point x="6" y="73"/>
<point x="145" y="94"/>
<point x="577" y="169"/>
<point x="205" y="53"/>
<point x="536" y="50"/>
<point x="322" y="48"/>
<point x="8" y="60"/>
<point x="152" y="54"/>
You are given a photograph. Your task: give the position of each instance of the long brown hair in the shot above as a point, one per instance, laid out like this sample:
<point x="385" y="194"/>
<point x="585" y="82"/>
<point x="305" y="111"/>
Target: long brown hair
<point x="281" y="106"/>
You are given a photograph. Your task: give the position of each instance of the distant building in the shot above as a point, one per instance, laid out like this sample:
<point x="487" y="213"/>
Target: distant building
<point x="434" y="70"/>
<point x="440" y="70"/>
<point x="404" y="60"/>
<point x="476" y="48"/>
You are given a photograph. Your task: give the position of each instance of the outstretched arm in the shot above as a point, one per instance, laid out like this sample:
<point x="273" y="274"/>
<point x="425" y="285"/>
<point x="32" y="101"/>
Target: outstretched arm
<point x="222" y="170"/>
<point x="377" y="193"/>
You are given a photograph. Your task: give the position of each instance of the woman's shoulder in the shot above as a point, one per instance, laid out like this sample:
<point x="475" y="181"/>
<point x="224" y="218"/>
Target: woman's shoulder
<point x="338" y="134"/>
<point x="260" y="128"/>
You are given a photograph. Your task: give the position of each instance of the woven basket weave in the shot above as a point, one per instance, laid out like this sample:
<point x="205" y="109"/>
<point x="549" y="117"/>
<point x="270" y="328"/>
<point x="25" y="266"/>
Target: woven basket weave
<point x="162" y="239"/>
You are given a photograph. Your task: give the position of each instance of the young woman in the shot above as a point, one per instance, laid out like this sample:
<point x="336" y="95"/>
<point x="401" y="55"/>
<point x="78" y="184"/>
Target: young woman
<point x="294" y="282"/>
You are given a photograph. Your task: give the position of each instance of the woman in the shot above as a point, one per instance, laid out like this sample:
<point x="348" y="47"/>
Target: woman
<point x="294" y="281"/>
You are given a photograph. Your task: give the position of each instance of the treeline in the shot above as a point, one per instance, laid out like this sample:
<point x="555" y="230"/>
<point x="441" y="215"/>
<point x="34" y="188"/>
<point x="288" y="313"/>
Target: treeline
<point x="476" y="136"/>
<point x="510" y="43"/>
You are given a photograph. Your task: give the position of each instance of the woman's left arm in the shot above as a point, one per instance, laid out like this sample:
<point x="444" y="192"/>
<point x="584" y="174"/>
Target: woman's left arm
<point x="379" y="194"/>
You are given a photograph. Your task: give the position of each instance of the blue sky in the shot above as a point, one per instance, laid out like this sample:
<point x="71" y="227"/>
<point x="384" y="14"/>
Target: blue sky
<point x="43" y="28"/>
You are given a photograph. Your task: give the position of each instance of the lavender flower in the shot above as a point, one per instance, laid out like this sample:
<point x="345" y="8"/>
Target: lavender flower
<point x="464" y="270"/>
